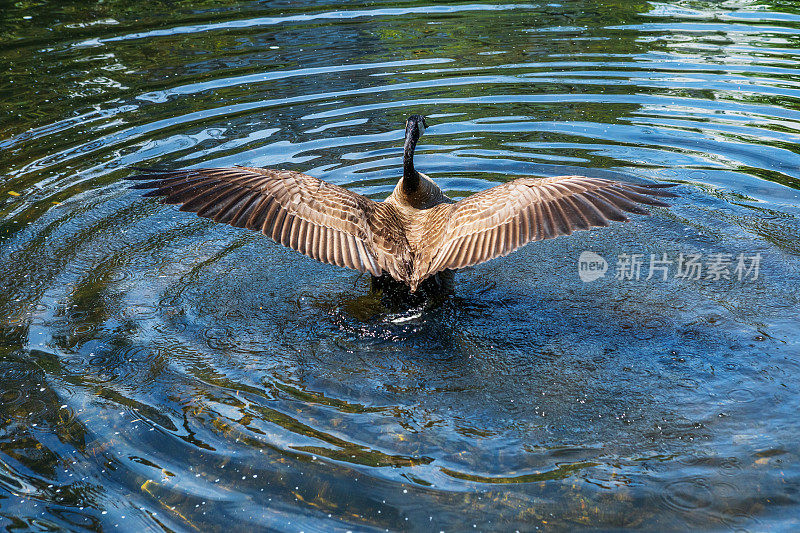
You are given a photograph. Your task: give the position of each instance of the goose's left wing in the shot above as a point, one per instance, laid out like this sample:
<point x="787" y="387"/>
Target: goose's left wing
<point x="497" y="221"/>
<point x="314" y="217"/>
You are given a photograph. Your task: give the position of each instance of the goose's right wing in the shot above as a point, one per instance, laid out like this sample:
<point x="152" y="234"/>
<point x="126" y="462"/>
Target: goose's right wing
<point x="497" y="221"/>
<point x="316" y="218"/>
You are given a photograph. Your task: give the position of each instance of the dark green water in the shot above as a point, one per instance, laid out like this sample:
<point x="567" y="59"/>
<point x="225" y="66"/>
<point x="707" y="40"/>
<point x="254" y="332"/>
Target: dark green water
<point x="160" y="372"/>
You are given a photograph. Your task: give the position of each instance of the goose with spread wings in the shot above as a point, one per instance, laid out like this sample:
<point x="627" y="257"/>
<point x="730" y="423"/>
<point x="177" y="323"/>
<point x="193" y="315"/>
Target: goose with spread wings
<point x="416" y="233"/>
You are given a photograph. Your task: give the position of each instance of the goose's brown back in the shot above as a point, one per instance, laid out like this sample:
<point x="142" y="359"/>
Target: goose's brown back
<point x="407" y="237"/>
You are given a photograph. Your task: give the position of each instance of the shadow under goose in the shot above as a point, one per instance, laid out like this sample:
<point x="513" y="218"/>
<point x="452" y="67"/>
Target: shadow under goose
<point x="415" y="238"/>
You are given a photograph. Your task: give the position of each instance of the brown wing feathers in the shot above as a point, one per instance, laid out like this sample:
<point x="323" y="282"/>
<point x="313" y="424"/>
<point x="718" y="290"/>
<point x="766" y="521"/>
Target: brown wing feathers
<point x="337" y="226"/>
<point x="315" y="218"/>
<point x="497" y="221"/>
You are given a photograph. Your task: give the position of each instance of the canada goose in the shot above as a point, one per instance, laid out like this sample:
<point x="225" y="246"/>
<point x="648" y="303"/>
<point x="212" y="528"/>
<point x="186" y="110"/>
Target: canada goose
<point x="416" y="232"/>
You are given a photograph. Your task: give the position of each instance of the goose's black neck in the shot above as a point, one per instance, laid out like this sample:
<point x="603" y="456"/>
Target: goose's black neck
<point x="410" y="175"/>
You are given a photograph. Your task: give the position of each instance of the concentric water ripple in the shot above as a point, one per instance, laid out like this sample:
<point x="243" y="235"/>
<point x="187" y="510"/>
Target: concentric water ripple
<point x="159" y="372"/>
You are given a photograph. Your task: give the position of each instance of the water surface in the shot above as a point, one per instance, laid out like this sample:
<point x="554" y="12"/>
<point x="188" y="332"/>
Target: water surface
<point x="161" y="372"/>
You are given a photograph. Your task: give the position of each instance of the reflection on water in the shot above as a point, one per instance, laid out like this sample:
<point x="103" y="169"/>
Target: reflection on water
<point x="162" y="372"/>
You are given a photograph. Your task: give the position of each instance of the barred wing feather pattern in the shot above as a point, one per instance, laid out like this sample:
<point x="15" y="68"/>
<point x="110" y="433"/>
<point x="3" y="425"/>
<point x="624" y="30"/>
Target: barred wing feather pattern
<point x="340" y="227"/>
<point x="316" y="218"/>
<point x="497" y="221"/>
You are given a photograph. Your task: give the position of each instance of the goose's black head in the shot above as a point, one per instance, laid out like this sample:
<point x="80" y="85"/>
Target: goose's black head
<point x="415" y="127"/>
